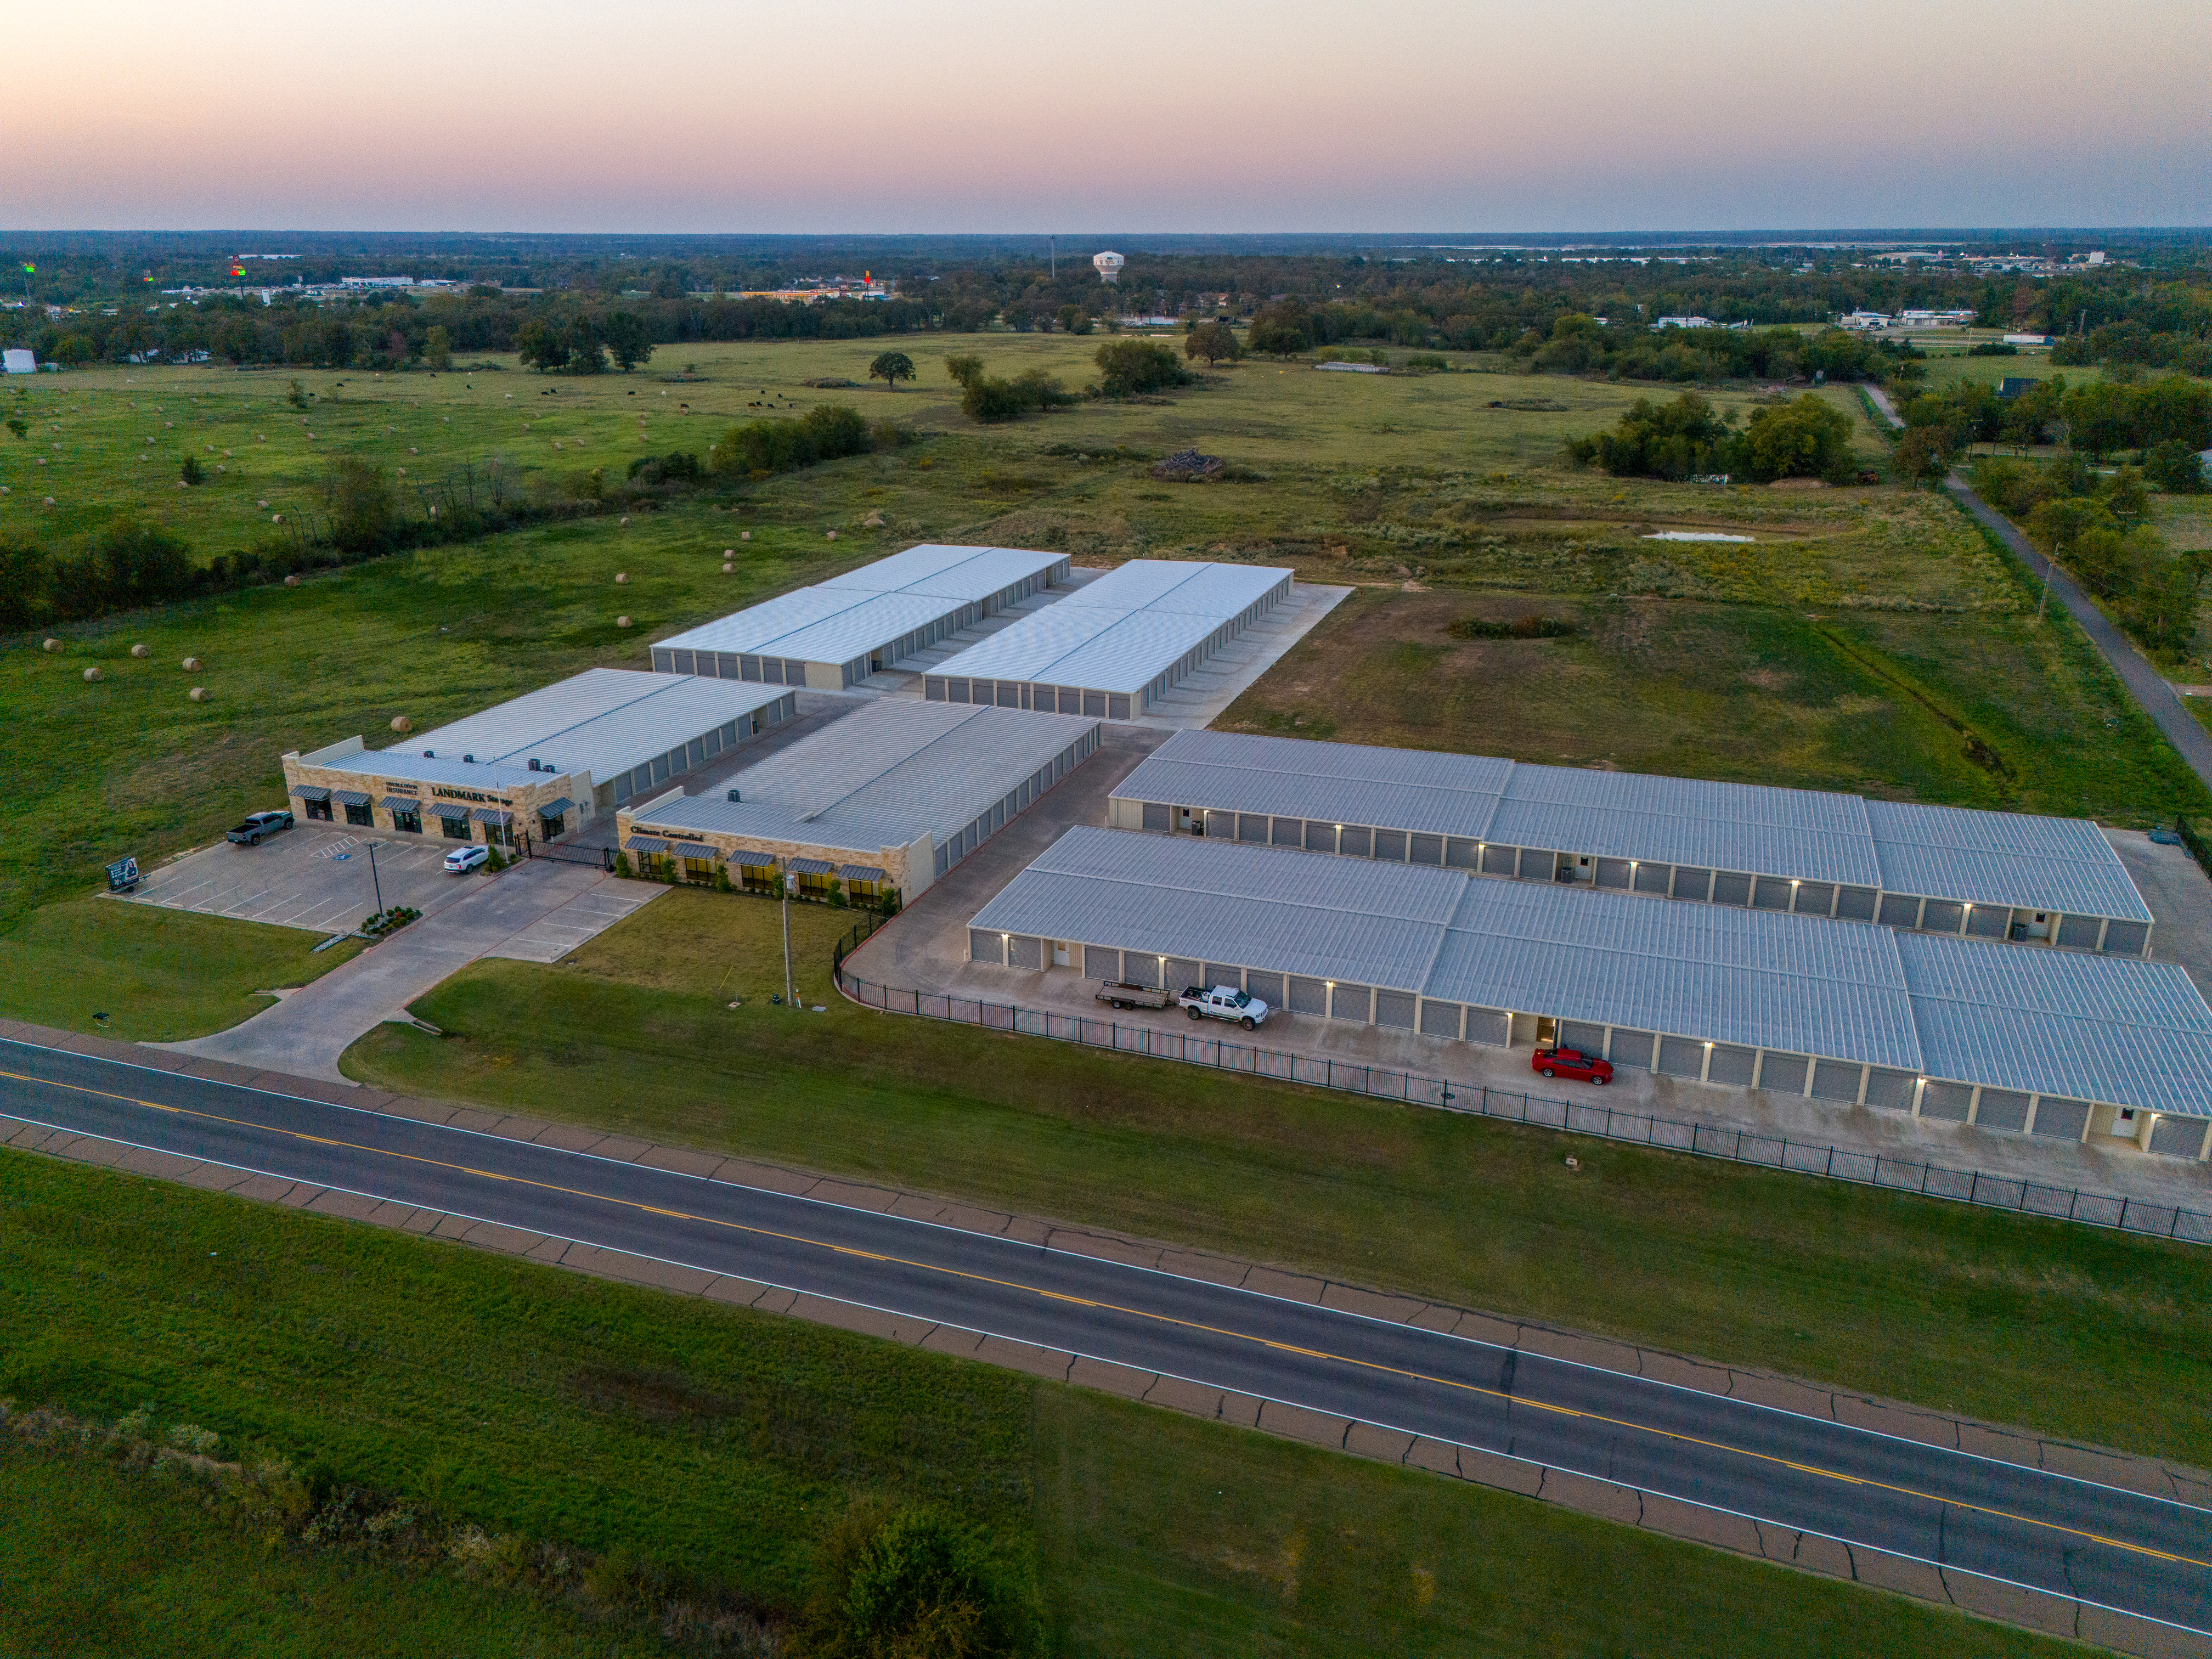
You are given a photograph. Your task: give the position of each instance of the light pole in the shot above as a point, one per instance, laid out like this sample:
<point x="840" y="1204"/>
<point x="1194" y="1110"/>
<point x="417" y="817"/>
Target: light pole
<point x="373" y="881"/>
<point x="789" y="999"/>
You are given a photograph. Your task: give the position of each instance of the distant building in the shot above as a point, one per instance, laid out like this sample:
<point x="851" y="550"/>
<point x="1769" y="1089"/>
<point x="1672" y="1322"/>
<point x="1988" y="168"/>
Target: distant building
<point x="1108" y="265"/>
<point x="21" y="362"/>
<point x="1684" y="322"/>
<point x="1859" y="320"/>
<point x="2015" y="386"/>
<point x="2027" y="339"/>
<point x="1933" y="318"/>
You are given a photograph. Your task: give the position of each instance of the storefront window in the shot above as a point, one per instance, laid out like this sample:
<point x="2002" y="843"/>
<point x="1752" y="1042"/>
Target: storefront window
<point x="698" y="869"/>
<point x="553" y="828"/>
<point x="812" y="886"/>
<point x="456" y="828"/>
<point x="409" y="820"/>
<point x="358" y="814"/>
<point x="319" y="809"/>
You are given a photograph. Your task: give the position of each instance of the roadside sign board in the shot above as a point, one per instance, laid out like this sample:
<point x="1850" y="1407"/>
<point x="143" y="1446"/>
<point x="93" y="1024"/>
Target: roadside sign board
<point x="123" y="875"/>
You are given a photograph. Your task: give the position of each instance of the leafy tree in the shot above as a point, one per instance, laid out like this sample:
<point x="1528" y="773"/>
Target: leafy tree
<point x="628" y="339"/>
<point x="1805" y="438"/>
<point x="2125" y="497"/>
<point x="1679" y="439"/>
<point x="364" y="512"/>
<point x="587" y="345"/>
<point x="296" y="396"/>
<point x="2099" y="418"/>
<point x="785" y="445"/>
<point x="19" y="426"/>
<point x="915" y="1585"/>
<point x="1282" y="328"/>
<point x="1134" y="367"/>
<point x="1212" y="341"/>
<point x="1923" y="454"/>
<point x="891" y="367"/>
<point x="437" y="348"/>
<point x="191" y="471"/>
<point x="2034" y="414"/>
<point x="964" y="369"/>
<point x="2172" y="466"/>
<point x="541" y="346"/>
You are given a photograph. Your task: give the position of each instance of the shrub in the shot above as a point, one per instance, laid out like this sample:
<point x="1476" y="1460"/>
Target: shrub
<point x="191" y="471"/>
<point x="2174" y="467"/>
<point x="1135" y="367"/>
<point x="914" y="1582"/>
<point x="677" y="466"/>
<point x="988" y="399"/>
<point x="623" y="865"/>
<point x="1521" y="628"/>
<point x="786" y="446"/>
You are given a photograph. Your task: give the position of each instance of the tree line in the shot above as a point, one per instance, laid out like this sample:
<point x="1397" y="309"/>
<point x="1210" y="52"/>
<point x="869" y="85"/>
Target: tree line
<point x="1803" y="437"/>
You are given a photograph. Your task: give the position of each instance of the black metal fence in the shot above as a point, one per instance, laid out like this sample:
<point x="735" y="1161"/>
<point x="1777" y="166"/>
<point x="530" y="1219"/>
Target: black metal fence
<point x="1200" y="1047"/>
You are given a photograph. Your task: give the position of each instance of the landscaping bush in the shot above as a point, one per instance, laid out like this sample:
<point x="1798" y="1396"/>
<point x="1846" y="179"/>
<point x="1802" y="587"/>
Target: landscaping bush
<point x="827" y="434"/>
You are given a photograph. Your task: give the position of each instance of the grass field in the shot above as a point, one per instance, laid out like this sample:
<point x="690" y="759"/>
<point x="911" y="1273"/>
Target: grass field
<point x="158" y="975"/>
<point x="2021" y="1320"/>
<point x="724" y="1443"/>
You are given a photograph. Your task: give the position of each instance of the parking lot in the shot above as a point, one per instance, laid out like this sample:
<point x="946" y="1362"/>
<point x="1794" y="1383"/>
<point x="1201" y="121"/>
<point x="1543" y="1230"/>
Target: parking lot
<point x="314" y="876"/>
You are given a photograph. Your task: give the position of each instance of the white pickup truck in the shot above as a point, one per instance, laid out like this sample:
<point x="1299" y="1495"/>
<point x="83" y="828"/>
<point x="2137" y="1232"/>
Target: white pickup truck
<point x="1224" y="1002"/>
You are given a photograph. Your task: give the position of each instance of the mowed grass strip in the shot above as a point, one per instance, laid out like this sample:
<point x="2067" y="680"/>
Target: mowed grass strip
<point x="520" y="1398"/>
<point x="1997" y="1315"/>
<point x="157" y="975"/>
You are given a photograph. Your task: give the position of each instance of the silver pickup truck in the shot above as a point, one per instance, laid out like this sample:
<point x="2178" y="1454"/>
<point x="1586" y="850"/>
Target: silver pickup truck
<point x="1224" y="1002"/>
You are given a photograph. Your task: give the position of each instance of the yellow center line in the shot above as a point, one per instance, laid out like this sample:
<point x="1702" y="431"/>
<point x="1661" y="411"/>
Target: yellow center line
<point x="1270" y="1343"/>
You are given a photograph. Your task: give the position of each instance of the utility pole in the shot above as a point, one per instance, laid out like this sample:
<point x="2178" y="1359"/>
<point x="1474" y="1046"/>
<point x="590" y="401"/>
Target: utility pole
<point x="1052" y="253"/>
<point x="789" y="999"/>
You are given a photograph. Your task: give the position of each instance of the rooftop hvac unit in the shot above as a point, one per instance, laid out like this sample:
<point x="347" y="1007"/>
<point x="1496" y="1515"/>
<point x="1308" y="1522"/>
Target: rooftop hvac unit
<point x="533" y="763"/>
<point x="470" y="759"/>
<point x="734" y="795"/>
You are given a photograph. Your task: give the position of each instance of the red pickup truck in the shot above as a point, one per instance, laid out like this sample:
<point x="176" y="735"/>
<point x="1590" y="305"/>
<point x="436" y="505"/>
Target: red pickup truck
<point x="1571" y="1062"/>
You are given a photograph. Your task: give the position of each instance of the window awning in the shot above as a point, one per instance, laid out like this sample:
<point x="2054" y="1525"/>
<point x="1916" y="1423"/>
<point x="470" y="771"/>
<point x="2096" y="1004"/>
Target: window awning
<point x="645" y="844"/>
<point x="498" y="815"/>
<point x="554" y="809"/>
<point x="746" y="858"/>
<point x="446" y="808"/>
<point x="863" y="872"/>
<point x="311" y="792"/>
<point x="351" y="797"/>
<point x="400" y="803"/>
<point x="812" y="867"/>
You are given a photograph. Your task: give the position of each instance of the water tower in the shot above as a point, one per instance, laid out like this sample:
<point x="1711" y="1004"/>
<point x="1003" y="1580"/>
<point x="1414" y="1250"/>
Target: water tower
<point x="1108" y="264"/>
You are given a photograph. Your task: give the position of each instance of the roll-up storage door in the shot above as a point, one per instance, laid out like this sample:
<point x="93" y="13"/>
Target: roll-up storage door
<point x="1101" y="963"/>
<point x="1290" y="832"/>
<point x="1855" y="903"/>
<point x="1426" y="849"/>
<point x="1731" y="1065"/>
<point x="1814" y="898"/>
<point x="1221" y="974"/>
<point x="1390" y="844"/>
<point x="1182" y="973"/>
<point x="2001" y="1109"/>
<point x="2078" y="933"/>
<point x="1252" y="827"/>
<point x="1691" y="883"/>
<point x="1354" y="841"/>
<point x="1941" y="916"/>
<point x="1947" y="1102"/>
<point x="1782" y="1074"/>
<point x="1731" y="887"/>
<point x="1632" y="1050"/>
<point x="1836" y="1081"/>
<point x="1350" y="1002"/>
<point x="2126" y="938"/>
<point x="1440" y="1019"/>
<point x="2178" y="1137"/>
<point x="1988" y="922"/>
<point x="1653" y="878"/>
<point x="2061" y="1120"/>
<point x="1890" y="1089"/>
<point x="1681" y="1057"/>
<point x="1772" y="893"/>
<point x="1309" y="996"/>
<point x="1585" y="1039"/>
<point x="1024" y="952"/>
<point x="1140" y="968"/>
<point x="1117" y="705"/>
<point x="1612" y="872"/>
<point x="1395" y="1009"/>
<point x="1321" y="837"/>
<point x="1903" y="910"/>
<point x="1268" y="987"/>
<point x="1499" y="860"/>
<point x="1460" y="854"/>
<point x="1156" y="815"/>
<point x="1491" y="1026"/>
<point x="986" y="947"/>
<point x="1537" y="863"/>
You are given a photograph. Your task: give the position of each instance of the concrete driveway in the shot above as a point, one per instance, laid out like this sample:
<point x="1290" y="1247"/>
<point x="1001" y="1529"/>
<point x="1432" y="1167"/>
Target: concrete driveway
<point x="315" y="877"/>
<point x="527" y="912"/>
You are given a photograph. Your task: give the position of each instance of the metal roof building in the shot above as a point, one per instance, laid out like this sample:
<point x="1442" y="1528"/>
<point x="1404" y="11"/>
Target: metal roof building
<point x="895" y="793"/>
<point x="1935" y="869"/>
<point x="1110" y="648"/>
<point x="2050" y="1043"/>
<point x="836" y="633"/>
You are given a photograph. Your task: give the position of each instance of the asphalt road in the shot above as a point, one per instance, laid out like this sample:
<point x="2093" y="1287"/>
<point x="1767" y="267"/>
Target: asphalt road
<point x="2116" y="1548"/>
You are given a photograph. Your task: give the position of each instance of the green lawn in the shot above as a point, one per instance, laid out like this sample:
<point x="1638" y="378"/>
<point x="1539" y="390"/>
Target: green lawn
<point x="159" y="976"/>
<point x="2021" y="1320"/>
<point x="723" y="1444"/>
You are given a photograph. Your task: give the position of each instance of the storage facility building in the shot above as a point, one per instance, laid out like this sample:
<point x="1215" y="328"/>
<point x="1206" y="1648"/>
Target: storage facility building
<point x="833" y="634"/>
<point x="2051" y="1044"/>
<point x="1114" y="646"/>
<point x="1933" y="869"/>
<point x="540" y="764"/>
<point x="893" y="795"/>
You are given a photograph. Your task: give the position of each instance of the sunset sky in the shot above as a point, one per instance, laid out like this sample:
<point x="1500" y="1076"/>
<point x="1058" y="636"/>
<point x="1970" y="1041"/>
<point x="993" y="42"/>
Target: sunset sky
<point x="977" y="115"/>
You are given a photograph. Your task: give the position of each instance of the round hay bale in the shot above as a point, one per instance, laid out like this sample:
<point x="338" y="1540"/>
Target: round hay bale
<point x="622" y="621"/>
<point x="729" y="552"/>
<point x="198" y="694"/>
<point x="401" y="723"/>
<point x="833" y="535"/>
<point x="275" y="518"/>
<point x="744" y="535"/>
<point x="622" y="579"/>
<point x="191" y="665"/>
<point x="625" y="518"/>
<point x="49" y="501"/>
<point x="140" y="651"/>
<point x="91" y="674"/>
<point x="51" y="645"/>
<point x="727" y="569"/>
<point x="291" y="581"/>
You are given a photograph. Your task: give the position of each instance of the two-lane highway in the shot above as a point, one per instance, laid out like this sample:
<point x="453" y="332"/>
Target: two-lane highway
<point x="2104" y="1545"/>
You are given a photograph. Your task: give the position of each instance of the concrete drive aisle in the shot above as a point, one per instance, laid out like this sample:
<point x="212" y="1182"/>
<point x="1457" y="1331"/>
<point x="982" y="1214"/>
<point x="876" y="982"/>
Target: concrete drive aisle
<point x="1980" y="1528"/>
<point x="2147" y="685"/>
<point x="306" y="1032"/>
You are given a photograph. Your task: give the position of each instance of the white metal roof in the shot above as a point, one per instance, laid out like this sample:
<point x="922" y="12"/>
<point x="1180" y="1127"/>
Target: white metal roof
<point x="425" y="768"/>
<point x="2063" y="865"/>
<point x="603" y="721"/>
<point x="2064" y="1023"/>
<point x="881" y="776"/>
<point x="1120" y="632"/>
<point x="849" y="615"/>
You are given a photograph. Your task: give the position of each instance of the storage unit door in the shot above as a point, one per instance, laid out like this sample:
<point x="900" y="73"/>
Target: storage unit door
<point x="2126" y="938"/>
<point x="1890" y="1089"/>
<point x="1101" y="963"/>
<point x="1024" y="952"/>
<point x="1140" y="968"/>
<point x="2061" y="1120"/>
<point x="1731" y="887"/>
<point x="1309" y="996"/>
<point x="1252" y="827"/>
<point x="1690" y="884"/>
<point x="1426" y="849"/>
<point x="1440" y="1019"/>
<point x="1855" y="903"/>
<point x="1814" y="897"/>
<point x="1290" y="832"/>
<point x="2178" y="1137"/>
<point x="1156" y="815"/>
<point x="1612" y="872"/>
<point x="1268" y="987"/>
<point x="1350" y="1002"/>
<point x="1941" y="916"/>
<point x="1587" y="1039"/>
<point x="1460" y="854"/>
<point x="986" y="947"/>
<point x="1353" y="841"/>
<point x="1321" y="837"/>
<point x="2001" y="1109"/>
<point x="1988" y="922"/>
<point x="1218" y="973"/>
<point x="1537" y="863"/>
<point x="1772" y="893"/>
<point x="1784" y="1073"/>
<point x="1946" y="1101"/>
<point x="1395" y="1009"/>
<point x="1903" y="910"/>
<point x="1182" y="973"/>
<point x="1731" y="1064"/>
<point x="1681" y="1057"/>
<point x="2078" y="933"/>
<point x="1632" y="1048"/>
<point x="1654" y="877"/>
<point x="1836" y="1081"/>
<point x="1498" y="860"/>
<point x="1390" y="844"/>
<point x="1491" y="1026"/>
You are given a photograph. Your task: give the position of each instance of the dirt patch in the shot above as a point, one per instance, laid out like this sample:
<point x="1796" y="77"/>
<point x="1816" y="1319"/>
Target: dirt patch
<point x="657" y="1396"/>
